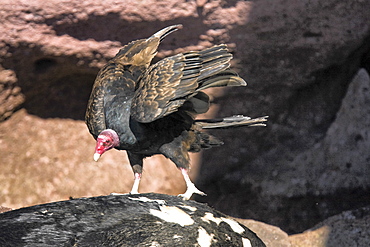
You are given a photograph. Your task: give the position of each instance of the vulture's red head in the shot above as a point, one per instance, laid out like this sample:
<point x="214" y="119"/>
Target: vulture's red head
<point x="106" y="140"/>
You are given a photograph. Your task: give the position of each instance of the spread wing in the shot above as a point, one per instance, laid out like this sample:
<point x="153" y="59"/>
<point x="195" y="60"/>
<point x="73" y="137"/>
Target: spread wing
<point x="120" y="75"/>
<point x="171" y="82"/>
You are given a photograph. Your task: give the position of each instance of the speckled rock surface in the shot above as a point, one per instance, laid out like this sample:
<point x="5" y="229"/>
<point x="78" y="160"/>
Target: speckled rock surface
<point x="350" y="228"/>
<point x="124" y="220"/>
<point x="11" y="97"/>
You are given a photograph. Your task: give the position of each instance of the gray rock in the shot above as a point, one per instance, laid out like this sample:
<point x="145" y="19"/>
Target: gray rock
<point x="341" y="160"/>
<point x="350" y="228"/>
<point x="123" y="220"/>
<point x="299" y="59"/>
<point x="298" y="74"/>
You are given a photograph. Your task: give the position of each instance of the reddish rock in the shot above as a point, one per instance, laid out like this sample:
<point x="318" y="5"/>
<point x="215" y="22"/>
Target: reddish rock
<point x="11" y="97"/>
<point x="46" y="160"/>
<point x="298" y="57"/>
<point x="4" y="209"/>
<point x="271" y="236"/>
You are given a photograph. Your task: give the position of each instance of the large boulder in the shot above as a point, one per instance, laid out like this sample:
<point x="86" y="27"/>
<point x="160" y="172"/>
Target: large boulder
<point x="349" y="228"/>
<point x="123" y="220"/>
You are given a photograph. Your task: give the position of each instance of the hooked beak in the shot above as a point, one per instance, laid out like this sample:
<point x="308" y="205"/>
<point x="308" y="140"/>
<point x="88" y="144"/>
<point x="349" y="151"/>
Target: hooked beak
<point x="105" y="141"/>
<point x="96" y="156"/>
<point x="99" y="149"/>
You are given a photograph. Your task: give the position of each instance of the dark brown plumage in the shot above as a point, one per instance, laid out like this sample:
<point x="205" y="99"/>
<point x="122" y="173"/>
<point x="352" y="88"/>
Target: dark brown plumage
<point x="149" y="109"/>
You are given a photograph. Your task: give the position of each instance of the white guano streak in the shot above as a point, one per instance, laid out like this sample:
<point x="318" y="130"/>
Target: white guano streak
<point x="172" y="214"/>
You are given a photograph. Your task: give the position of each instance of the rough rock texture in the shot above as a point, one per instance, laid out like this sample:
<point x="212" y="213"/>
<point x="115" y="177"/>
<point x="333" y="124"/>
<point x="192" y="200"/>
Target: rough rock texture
<point x="330" y="176"/>
<point x="299" y="58"/>
<point x="11" y="97"/>
<point x="330" y="165"/>
<point x="124" y="220"/>
<point x="350" y="228"/>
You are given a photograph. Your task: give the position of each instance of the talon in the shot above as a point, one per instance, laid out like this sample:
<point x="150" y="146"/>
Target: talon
<point x="191" y="189"/>
<point x="187" y="195"/>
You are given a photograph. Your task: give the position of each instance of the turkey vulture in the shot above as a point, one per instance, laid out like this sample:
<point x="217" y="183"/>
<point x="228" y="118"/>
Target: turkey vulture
<point x="149" y="109"/>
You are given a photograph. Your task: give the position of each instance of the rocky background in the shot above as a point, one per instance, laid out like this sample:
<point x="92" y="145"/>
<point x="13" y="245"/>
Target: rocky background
<point x="307" y="66"/>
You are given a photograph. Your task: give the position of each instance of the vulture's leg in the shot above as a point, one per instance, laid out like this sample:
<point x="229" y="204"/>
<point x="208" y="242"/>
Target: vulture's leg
<point x="190" y="186"/>
<point x="135" y="186"/>
<point x="177" y="151"/>
<point x="136" y="162"/>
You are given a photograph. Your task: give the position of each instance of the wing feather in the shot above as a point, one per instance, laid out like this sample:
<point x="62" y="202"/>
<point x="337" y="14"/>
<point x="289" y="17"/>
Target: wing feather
<point x="164" y="87"/>
<point x="171" y="82"/>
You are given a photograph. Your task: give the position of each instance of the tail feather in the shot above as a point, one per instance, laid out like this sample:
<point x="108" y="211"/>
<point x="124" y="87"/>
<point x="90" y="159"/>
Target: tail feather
<point x="234" y="121"/>
<point x="204" y="141"/>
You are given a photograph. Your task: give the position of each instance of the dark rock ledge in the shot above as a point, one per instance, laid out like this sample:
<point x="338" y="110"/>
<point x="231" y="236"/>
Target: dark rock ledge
<point x="123" y="220"/>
